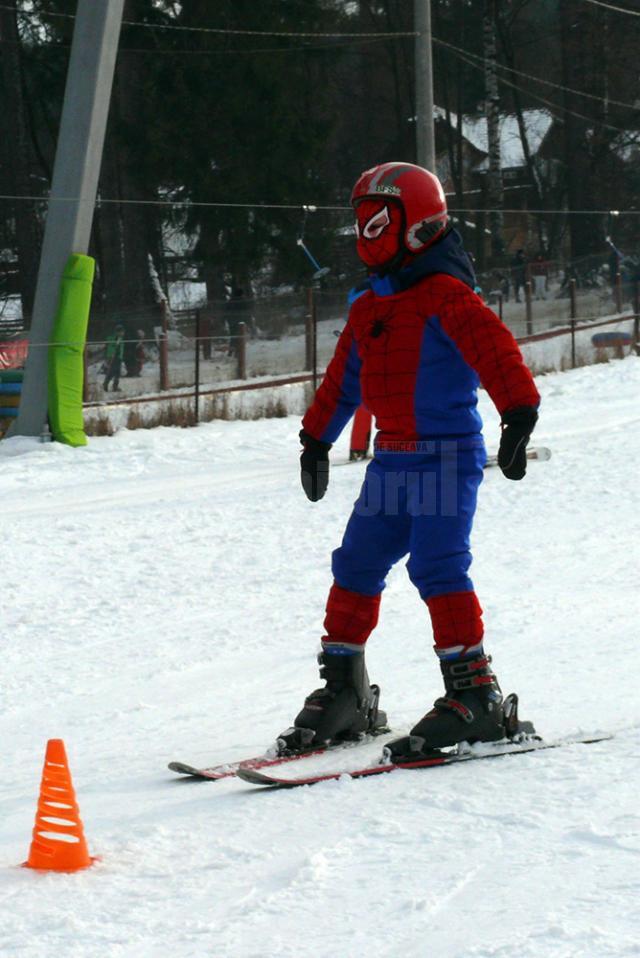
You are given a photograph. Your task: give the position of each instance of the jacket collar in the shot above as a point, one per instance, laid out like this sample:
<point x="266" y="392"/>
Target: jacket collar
<point x="446" y="256"/>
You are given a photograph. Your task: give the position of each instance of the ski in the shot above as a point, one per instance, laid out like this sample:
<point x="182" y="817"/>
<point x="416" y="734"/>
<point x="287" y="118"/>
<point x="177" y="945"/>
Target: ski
<point x="268" y="760"/>
<point x="541" y="453"/>
<point x="215" y="772"/>
<point x="257" y="777"/>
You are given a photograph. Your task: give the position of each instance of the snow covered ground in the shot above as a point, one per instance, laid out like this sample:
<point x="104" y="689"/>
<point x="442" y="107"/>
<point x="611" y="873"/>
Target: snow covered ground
<point x="163" y="595"/>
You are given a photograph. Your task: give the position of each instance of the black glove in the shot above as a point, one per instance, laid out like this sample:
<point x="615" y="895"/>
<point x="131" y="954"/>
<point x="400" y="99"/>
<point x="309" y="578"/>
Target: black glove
<point x="517" y="426"/>
<point x="314" y="466"/>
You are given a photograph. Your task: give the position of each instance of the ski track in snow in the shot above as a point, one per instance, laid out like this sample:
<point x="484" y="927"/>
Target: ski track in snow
<point x="163" y="595"/>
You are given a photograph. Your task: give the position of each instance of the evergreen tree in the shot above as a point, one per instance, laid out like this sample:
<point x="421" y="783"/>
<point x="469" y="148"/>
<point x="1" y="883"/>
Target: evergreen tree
<point x="246" y="119"/>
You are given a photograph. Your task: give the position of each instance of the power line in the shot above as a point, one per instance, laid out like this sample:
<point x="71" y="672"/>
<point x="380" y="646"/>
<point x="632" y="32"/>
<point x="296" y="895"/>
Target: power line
<point x="234" y="51"/>
<point x="562" y="110"/>
<point x="249" y="51"/>
<point x="299" y="207"/>
<point x="612" y="6"/>
<point x="530" y="76"/>
<point x="224" y="31"/>
<point x="220" y="31"/>
<point x="356" y="37"/>
<point x="174" y="203"/>
<point x="554" y="212"/>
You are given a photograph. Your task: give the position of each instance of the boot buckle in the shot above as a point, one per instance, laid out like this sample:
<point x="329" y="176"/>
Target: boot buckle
<point x="453" y="705"/>
<point x="459" y="684"/>
<point x="480" y="664"/>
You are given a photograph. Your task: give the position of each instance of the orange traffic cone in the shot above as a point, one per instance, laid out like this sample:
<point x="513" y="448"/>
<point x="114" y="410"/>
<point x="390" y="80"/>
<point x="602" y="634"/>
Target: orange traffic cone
<point x="58" y="842"/>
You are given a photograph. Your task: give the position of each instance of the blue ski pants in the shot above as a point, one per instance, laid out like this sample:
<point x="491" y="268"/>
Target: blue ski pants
<point x="416" y="504"/>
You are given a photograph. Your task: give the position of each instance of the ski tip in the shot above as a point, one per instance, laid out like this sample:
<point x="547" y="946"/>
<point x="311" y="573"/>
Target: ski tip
<point x="254" y="777"/>
<point x="181" y="768"/>
<point x="591" y="740"/>
<point x="199" y="774"/>
<point x="542" y="453"/>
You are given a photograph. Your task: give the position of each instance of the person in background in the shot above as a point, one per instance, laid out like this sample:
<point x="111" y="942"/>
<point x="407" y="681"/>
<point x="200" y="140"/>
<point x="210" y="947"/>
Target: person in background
<point x="235" y="315"/>
<point x="615" y="262"/>
<point x="114" y="356"/>
<point x="518" y="273"/>
<point x="540" y="274"/>
<point x="129" y="352"/>
<point x="141" y="356"/>
<point x="360" y="434"/>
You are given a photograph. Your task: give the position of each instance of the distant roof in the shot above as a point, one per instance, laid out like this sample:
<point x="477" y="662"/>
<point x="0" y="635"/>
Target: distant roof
<point x="474" y="129"/>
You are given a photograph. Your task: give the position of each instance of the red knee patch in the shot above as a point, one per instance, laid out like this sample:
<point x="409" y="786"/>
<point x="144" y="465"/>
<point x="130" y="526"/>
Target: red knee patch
<point x="351" y="617"/>
<point x="456" y="620"/>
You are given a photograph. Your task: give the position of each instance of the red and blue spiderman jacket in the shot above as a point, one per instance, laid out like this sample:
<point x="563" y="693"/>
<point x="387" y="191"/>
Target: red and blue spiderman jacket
<point x="416" y="346"/>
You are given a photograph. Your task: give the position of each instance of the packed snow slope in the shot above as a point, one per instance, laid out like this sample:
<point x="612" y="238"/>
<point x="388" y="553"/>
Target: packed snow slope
<point x="163" y="595"/>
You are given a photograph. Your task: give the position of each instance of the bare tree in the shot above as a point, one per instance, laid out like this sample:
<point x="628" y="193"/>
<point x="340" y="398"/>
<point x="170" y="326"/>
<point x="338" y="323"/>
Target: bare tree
<point x="18" y="156"/>
<point x="495" y="194"/>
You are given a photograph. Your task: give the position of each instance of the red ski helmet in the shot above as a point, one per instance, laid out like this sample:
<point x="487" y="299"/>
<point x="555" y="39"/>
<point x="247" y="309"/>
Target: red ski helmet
<point x="394" y="188"/>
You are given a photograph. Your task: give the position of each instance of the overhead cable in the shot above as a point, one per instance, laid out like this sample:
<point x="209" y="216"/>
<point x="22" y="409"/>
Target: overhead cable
<point x="613" y="6"/>
<point x="225" y="31"/>
<point x="301" y="206"/>
<point x="530" y="76"/>
<point x="560" y="110"/>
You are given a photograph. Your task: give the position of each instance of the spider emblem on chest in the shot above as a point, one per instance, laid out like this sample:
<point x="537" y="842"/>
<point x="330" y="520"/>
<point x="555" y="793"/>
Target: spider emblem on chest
<point x="380" y="325"/>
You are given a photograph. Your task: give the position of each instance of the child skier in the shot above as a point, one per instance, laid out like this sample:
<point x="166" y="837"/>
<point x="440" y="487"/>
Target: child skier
<point x="417" y="344"/>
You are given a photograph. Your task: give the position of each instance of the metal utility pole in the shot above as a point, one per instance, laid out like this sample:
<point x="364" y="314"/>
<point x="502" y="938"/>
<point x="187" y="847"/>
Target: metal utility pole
<point x="425" y="130"/>
<point x="492" y="100"/>
<point x="74" y="186"/>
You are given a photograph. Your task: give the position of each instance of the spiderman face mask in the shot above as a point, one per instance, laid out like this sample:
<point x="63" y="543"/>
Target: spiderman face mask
<point x="379" y="229"/>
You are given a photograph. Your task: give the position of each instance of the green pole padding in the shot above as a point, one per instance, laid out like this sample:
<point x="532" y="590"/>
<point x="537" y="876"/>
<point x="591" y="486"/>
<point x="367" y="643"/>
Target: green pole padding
<point x="66" y="372"/>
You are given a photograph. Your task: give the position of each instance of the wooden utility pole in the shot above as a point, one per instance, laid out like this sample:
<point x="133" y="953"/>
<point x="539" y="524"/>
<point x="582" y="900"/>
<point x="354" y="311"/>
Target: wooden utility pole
<point x="492" y="105"/>
<point x="425" y="130"/>
<point x="73" y="190"/>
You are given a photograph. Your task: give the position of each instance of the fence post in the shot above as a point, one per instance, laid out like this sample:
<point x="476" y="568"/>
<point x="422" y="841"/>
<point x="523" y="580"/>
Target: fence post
<point x="618" y="292"/>
<point x="242" y="350"/>
<point x="572" y="313"/>
<point x="500" y="299"/>
<point x="308" y="332"/>
<point x="196" y="397"/>
<point x="206" y="334"/>
<point x="572" y="299"/>
<point x="164" y="350"/>
<point x="85" y="374"/>
<point x="528" y="307"/>
<point x="314" y="340"/>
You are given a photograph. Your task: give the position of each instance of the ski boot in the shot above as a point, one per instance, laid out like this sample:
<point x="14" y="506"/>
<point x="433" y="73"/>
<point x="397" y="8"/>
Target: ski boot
<point x="471" y="710"/>
<point x="346" y="708"/>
